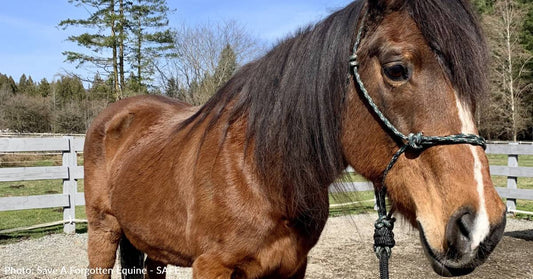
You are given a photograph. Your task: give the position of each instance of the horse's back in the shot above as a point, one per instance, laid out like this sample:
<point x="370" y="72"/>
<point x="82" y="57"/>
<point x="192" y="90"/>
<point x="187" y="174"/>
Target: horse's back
<point x="127" y="119"/>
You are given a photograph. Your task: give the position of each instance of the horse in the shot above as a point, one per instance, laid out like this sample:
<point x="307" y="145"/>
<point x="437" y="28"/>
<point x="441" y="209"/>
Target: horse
<point x="238" y="187"/>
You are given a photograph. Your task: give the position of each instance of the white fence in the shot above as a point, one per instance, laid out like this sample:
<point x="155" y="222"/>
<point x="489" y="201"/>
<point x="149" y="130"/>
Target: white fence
<point x="70" y="172"/>
<point x="512" y="171"/>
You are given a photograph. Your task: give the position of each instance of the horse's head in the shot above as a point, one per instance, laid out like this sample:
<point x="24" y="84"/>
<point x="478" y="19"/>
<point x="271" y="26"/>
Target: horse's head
<point x="422" y="63"/>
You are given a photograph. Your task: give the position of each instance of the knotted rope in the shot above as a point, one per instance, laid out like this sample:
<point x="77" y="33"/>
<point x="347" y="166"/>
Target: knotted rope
<point x="414" y="142"/>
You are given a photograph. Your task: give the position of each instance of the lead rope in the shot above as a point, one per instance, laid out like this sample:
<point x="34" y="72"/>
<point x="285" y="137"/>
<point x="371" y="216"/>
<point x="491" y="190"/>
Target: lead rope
<point x="414" y="142"/>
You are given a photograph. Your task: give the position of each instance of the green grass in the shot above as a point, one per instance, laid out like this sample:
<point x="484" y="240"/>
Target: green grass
<point x="523" y="182"/>
<point x="26" y="218"/>
<point x="501" y="160"/>
<point x="364" y="203"/>
<point x="30" y="188"/>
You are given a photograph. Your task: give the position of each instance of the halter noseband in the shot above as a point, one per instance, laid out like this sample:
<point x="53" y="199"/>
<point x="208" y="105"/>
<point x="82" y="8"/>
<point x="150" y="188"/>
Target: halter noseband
<point x="383" y="235"/>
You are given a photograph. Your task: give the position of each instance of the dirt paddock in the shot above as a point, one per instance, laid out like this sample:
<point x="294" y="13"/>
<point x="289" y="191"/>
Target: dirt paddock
<point x="344" y="251"/>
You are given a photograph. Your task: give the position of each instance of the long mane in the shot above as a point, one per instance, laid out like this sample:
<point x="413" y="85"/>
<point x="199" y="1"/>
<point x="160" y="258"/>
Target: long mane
<point x="292" y="99"/>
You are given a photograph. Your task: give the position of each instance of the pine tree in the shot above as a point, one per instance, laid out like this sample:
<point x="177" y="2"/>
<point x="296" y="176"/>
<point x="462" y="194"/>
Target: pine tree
<point x="100" y="90"/>
<point x="151" y="38"/>
<point x="104" y="19"/>
<point x="31" y="88"/>
<point x="69" y="89"/>
<point x="483" y="6"/>
<point x="21" y="86"/>
<point x="44" y="88"/>
<point x="125" y="31"/>
<point x="12" y="85"/>
<point x="226" y="66"/>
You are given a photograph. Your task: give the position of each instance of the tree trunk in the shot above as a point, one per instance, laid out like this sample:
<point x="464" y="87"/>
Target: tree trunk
<point x="117" y="92"/>
<point x="121" y="44"/>
<point x="139" y="53"/>
<point x="508" y="20"/>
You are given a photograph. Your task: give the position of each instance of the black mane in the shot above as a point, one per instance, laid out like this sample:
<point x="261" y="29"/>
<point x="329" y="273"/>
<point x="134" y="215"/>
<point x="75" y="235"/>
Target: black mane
<point x="452" y="30"/>
<point x="293" y="97"/>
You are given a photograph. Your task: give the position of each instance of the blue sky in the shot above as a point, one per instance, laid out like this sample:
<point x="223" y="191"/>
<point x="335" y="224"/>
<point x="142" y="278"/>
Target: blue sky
<point x="32" y="44"/>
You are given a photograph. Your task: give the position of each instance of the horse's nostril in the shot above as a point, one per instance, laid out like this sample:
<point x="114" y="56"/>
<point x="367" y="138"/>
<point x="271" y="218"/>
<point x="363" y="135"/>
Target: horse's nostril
<point x="465" y="224"/>
<point x="458" y="233"/>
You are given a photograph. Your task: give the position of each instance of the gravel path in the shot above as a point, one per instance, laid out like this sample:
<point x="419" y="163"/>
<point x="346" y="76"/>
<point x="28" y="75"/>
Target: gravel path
<point x="344" y="251"/>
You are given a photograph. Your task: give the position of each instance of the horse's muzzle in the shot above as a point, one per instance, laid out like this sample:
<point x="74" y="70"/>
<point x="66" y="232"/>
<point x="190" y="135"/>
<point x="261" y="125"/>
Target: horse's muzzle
<point x="459" y="258"/>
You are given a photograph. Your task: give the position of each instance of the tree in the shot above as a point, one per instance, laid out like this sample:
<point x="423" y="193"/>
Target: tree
<point x="227" y="64"/>
<point x="508" y="116"/>
<point x="151" y="38"/>
<point x="7" y="84"/>
<point x="44" y="89"/>
<point x="100" y="90"/>
<point x="31" y="87"/>
<point x="133" y="32"/>
<point x="27" y="114"/>
<point x="21" y="88"/>
<point x="68" y="89"/>
<point x="483" y="6"/>
<point x="193" y="67"/>
<point x="102" y="17"/>
<point x="199" y="92"/>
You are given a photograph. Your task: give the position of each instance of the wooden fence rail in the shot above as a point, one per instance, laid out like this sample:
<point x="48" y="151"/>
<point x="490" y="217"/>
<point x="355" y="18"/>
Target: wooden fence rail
<point x="70" y="173"/>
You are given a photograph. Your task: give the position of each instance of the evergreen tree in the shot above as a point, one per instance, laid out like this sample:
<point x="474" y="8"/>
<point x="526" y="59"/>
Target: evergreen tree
<point x="31" y="88"/>
<point x="12" y="85"/>
<point x="150" y="37"/>
<point x="7" y="84"/>
<point x="104" y="19"/>
<point x="173" y="89"/>
<point x="226" y="66"/>
<point x="100" y="90"/>
<point x="124" y="31"/>
<point x="69" y="89"/>
<point x="21" y="87"/>
<point x="483" y="6"/>
<point x="44" y="89"/>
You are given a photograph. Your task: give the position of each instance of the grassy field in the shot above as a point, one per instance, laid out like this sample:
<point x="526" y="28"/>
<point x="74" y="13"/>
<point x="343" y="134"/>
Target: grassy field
<point x="23" y="218"/>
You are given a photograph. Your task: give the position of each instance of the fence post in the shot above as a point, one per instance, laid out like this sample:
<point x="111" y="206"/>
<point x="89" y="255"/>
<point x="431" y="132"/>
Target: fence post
<point x="512" y="161"/>
<point x="70" y="186"/>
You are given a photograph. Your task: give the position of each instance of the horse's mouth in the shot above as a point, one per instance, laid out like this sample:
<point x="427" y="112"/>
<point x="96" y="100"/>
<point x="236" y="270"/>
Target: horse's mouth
<point x="457" y="262"/>
<point x="445" y="266"/>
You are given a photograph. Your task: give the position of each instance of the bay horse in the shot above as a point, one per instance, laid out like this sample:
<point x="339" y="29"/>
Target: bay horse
<point x="238" y="188"/>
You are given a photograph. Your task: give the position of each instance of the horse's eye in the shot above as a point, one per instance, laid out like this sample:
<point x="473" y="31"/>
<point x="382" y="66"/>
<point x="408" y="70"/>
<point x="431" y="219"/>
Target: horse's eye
<point x="397" y="72"/>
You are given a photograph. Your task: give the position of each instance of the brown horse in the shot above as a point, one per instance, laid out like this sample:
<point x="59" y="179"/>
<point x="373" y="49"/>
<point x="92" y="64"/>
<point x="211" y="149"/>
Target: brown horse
<point x="238" y="188"/>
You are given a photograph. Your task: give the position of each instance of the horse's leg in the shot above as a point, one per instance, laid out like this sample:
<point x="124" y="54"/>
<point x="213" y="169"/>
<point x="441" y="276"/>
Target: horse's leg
<point x="155" y="269"/>
<point x="104" y="236"/>
<point x="210" y="267"/>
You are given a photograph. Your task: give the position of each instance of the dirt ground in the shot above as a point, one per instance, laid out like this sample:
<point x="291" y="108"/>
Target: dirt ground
<point x="344" y="251"/>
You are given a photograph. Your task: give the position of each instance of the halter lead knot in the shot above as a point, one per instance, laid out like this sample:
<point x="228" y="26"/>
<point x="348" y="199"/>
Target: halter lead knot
<point x="383" y="236"/>
<point x="415" y="141"/>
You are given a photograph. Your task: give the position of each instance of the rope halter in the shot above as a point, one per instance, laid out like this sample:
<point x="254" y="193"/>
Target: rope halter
<point x="383" y="235"/>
